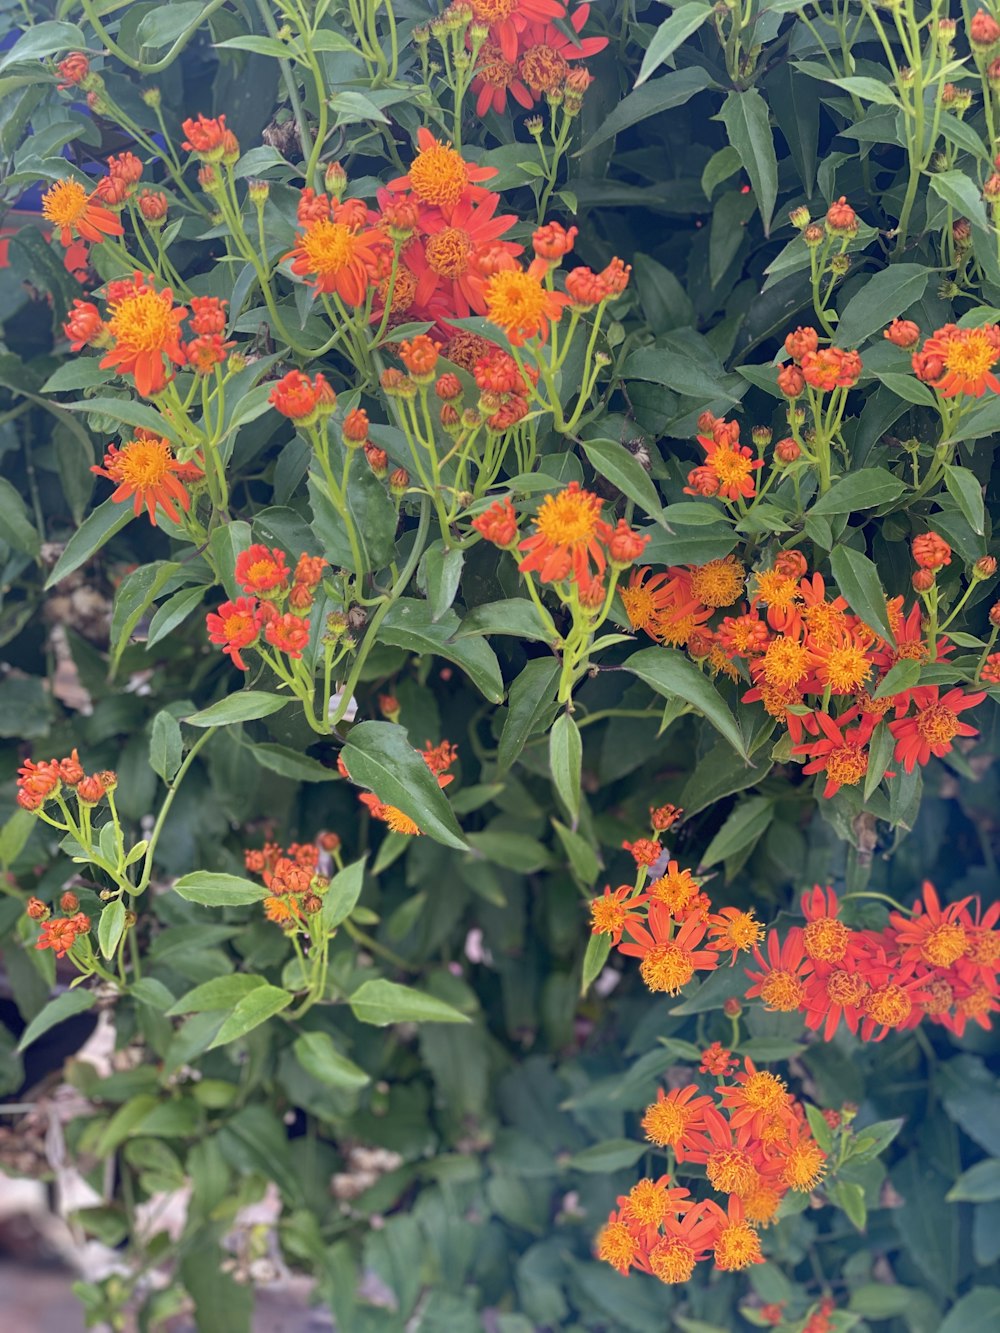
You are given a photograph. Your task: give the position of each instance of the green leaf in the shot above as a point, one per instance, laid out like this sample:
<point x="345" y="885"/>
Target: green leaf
<point x="882" y="297"/>
<point x="720" y="166"/>
<point x="649" y="100"/>
<point x="16" y="528"/>
<point x="604" y="1158"/>
<point x="319" y="1057"/>
<point x="289" y="763"/>
<point x="260" y="1004"/>
<point x="243" y="707"/>
<point x="612" y="460"/>
<point x="743" y="828"/>
<point x="747" y="121"/>
<point x="532" y="696"/>
<point x="410" y="624"/>
<point x="857" y="578"/>
<point x="56" y="1011"/>
<point x="962" y="193"/>
<point x="44" y="39"/>
<point x="860" y="490"/>
<point x="342" y="895"/>
<point x="14" y="834"/>
<point x="110" y="927"/>
<point x="967" y="492"/>
<point x="580" y="854"/>
<point x="907" y="387"/>
<point x="219" y="993"/>
<point x="129" y="413"/>
<point x="516" y="617"/>
<point x="872" y="1140"/>
<point x="849" y="1197"/>
<point x="212" y="889"/>
<point x="977" y="1312"/>
<point x="166" y="747"/>
<point x="514" y="851"/>
<point x="135" y="594"/>
<point x="596" y="955"/>
<point x="441" y="570"/>
<point x="902" y="676"/>
<point x="980" y="1184"/>
<point x="718" y="987"/>
<point x="381" y="1003"/>
<point x="96" y="529"/>
<point x="871" y="90"/>
<point x="881" y="1300"/>
<point x="379" y="756"/>
<point x="687" y="366"/>
<point x="675" y="676"/>
<point x="675" y="30"/>
<point x="173" y="612"/>
<point x="565" y="762"/>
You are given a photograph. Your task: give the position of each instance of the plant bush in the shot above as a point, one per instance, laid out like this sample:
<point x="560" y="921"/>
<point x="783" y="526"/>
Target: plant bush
<point x="497" y="522"/>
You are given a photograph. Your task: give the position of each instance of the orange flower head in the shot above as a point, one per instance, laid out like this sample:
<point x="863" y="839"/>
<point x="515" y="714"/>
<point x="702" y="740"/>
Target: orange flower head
<point x="674" y="1116"/>
<point x="664" y="817"/>
<point x="584" y="288"/>
<point x="616" y="1245"/>
<point x="261" y="570"/>
<point x="144" y="329"/>
<point x="931" y="551"/>
<point x="300" y="398"/>
<point x="804" y="1165"/>
<point x="235" y="626"/>
<point x="831" y="368"/>
<point x="125" y="167"/>
<point x="340" y="256"/>
<point x="718" y="583"/>
<point x="146" y="469"/>
<point x="569" y="533"/>
<point x="288" y="633"/>
<point x="208" y="315"/>
<point x="153" y="206"/>
<point x="553" y="242"/>
<point x="791" y="381"/>
<point x="84" y="326"/>
<point x="801" y="342"/>
<point x="355" y="427"/>
<point x="737" y="1246"/>
<point x="439" y="176"/>
<point x="420" y="356"/>
<point x="650" y="1202"/>
<point x="903" y="333"/>
<point x="960" y="361"/>
<point x="74" y="69"/>
<point x="206" y="136"/>
<point x="518" y="303"/>
<point x="675" y="888"/>
<point x="73" y="212"/>
<point x="498" y="524"/>
<point x="614" y="277"/>
<point x="625" y="545"/>
<point x="841" y="217"/>
<point x="734" y="931"/>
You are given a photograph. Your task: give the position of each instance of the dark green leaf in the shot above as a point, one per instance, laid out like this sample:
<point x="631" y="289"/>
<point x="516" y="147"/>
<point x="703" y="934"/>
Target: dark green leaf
<point x="675" y="676"/>
<point x="747" y="121"/>
<point x="217" y="890"/>
<point x="56" y="1011"/>
<point x="379" y="756"/>
<point x="882" y="297"/>
<point x="612" y="460"/>
<point x="381" y="1003"/>
<point x="532" y="696"/>
<point x="671" y="33"/>
<point x="341" y="897"/>
<point x="409" y="624"/>
<point x="744" y="826"/>
<point x="857" y="578"/>
<point x="256" y="1007"/>
<point x="319" y="1057"/>
<point x="96" y="529"/>
<point x="242" y="707"/>
<point x="565" y="759"/>
<point x="861" y="490"/>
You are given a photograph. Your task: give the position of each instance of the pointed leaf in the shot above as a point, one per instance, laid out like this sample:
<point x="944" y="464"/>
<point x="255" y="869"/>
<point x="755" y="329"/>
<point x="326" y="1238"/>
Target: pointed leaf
<point x="379" y="756"/>
<point x="747" y="121"/>
<point x="857" y="578"/>
<point x="612" y="460"/>
<point x="218" y="890"/>
<point x="565" y="760"/>
<point x="243" y="707"/>
<point x="262" y="1003"/>
<point x="410" y="624"/>
<point x="674" y="676"/>
<point x="381" y="1003"/>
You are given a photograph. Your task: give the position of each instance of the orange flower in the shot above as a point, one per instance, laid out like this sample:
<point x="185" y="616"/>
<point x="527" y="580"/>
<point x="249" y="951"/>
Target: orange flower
<point x="288" y="633"/>
<point x="60" y="933"/>
<point x="144" y="327"/>
<point x="300" y="398"/>
<point x="518" y="303"/>
<point x="668" y="960"/>
<point x="439" y="176"/>
<point x="420" y="355"/>
<point x="734" y="930"/>
<point x="553" y="242"/>
<point x="206" y="136"/>
<point x="686" y="1240"/>
<point x="729" y="464"/>
<point x="74" y="69"/>
<point x="208" y="315"/>
<point x="716" y="1060"/>
<point x="498" y="524"/>
<point x="780" y="983"/>
<point x="903" y="332"/>
<point x="547" y="50"/>
<point x="674" y="1118"/>
<point x="73" y="212"/>
<point x="261" y="570"/>
<point x="960" y="361"/>
<point x="340" y="254"/>
<point x="147" y="469"/>
<point x="610" y="914"/>
<point x="831" y="368"/>
<point x="931" y="551"/>
<point x="508" y="19"/>
<point x="397" y="821"/>
<point x="935" y="725"/>
<point x="569" y="533"/>
<point x="235" y="625"/>
<point x="841" y="754"/>
<point x="449" y="260"/>
<point x="84" y="327"/>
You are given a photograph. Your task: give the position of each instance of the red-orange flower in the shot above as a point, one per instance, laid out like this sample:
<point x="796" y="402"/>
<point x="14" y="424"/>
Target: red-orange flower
<point x="780" y="982"/>
<point x="449" y="259"/>
<point x="206" y="136"/>
<point x="300" y="398"/>
<point x="669" y="955"/>
<point x="569" y="534"/>
<point x="960" y="361"/>
<point x="934" y="726"/>
<point x="147" y="469"/>
<point x="288" y="633"/>
<point x="439" y="176"/>
<point x="144" y="327"/>
<point x="73" y="212"/>
<point x="261" y="570"/>
<point x="340" y="254"/>
<point x="84" y="326"/>
<point x="519" y="303"/>
<point x="235" y="626"/>
<point x="931" y="551"/>
<point x="508" y="19"/>
<point x="675" y="1116"/>
<point x="498" y="524"/>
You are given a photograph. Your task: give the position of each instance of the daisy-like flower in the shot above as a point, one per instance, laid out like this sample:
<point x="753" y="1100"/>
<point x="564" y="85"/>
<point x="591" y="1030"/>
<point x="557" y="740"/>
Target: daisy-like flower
<point x="60" y="933"/>
<point x="960" y="361"/>
<point x="439" y="175"/>
<point x="145" y="468"/>
<point x="568" y="534"/>
<point x="288" y="633"/>
<point x="547" y="50"/>
<point x="841" y="752"/>
<point x="508" y="19"/>
<point x="754" y="1098"/>
<point x="934" y="934"/>
<point x="718" y="583"/>
<point x="447" y="260"/>
<point x="825" y="937"/>
<point x="668" y="956"/>
<point x="650" y="1202"/>
<point x="675" y="888"/>
<point x="780" y="982"/>
<point x="735" y="931"/>
<point x="144" y="329"/>
<point x="391" y="815"/>
<point x="730" y="465"/>
<point x="686" y="1241"/>
<point x="617" y="1244"/>
<point x="674" y="1117"/>
<point x="646" y="598"/>
<point x="74" y="213"/>
<point x="611" y="913"/>
<point x="262" y="571"/>
<point x="300" y="398"/>
<point x="802" y="1160"/>
<point x="732" y="1158"/>
<point x="518" y="302"/>
<point x="736" y="1244"/>
<point x="842" y="662"/>
<point x="235" y="626"/>
<point x="340" y="254"/>
<point x="835" y="992"/>
<point x="495" y="77"/>
<point x="935" y="725"/>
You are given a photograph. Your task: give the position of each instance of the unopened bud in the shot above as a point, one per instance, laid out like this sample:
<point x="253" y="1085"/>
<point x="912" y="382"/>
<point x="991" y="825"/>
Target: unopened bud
<point x="799" y="217"/>
<point x="923" y="580"/>
<point x="985" y="567"/>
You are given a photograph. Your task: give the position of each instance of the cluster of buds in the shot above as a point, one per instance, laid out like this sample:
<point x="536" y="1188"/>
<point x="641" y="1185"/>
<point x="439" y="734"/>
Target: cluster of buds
<point x="59" y="933"/>
<point x="44" y="781"/>
<point x="822" y="368"/>
<point x="296" y="878"/>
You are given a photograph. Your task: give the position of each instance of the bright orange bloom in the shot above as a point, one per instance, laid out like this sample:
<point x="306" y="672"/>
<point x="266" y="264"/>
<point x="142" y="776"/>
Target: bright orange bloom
<point x="610" y="913"/>
<point x="716" y="1060"/>
<point x="235" y="625"/>
<point x="831" y="368"/>
<point x="208" y="315"/>
<point x="960" y="361"/>
<point x="728" y="463"/>
<point x="288" y="633"/>
<point x="449" y="259"/>
<point x="686" y="1241"/>
<point x="518" y="303"/>
<point x="73" y="212"/>
<point x="547" y="50"/>
<point x="903" y="332"/>
<point x="755" y="1098"/>
<point x="553" y="242"/>
<point x="439" y="176"/>
<point x="60" y="933"/>
<point x="206" y="136"/>
<point x="144" y="327"/>
<point x="935" y="725"/>
<point x="780" y="982"/>
<point x="649" y="1203"/>
<point x="147" y="469"/>
<point x="508" y="19"/>
<point x="734" y="930"/>
<point x="675" y="1117"/>
<point x="568" y="534"/>
<point x="397" y="821"/>
<point x="675" y="888"/>
<point x="933" y="935"/>
<point x="420" y="355"/>
<point x="261" y="570"/>
<point x="668" y="958"/>
<point x="841" y="754"/>
<point x="341" y="254"/>
<point x="931" y="551"/>
<point x="736" y="1244"/>
<point x="300" y="398"/>
<point x="84" y="326"/>
<point x="498" y="524"/>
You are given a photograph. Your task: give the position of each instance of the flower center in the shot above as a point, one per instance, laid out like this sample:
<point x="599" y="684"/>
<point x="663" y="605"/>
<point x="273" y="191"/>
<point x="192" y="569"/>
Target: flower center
<point x="826" y="938"/>
<point x="774" y="588"/>
<point x="144" y="463"/>
<point x="403" y="291"/>
<point x="945" y="944"/>
<point x="616" y="1246"/>
<point x="493" y="11"/>
<point x="761" y="1204"/>
<point x="889" y="1005"/>
<point x="569" y="518"/>
<point x="971" y="355"/>
<point x="514" y="299"/>
<point x="736" y="1246"/>
<point x="667" y="967"/>
<point x="672" y="1260"/>
<point x="492" y="68"/>
<point x="939" y="997"/>
<point x="730" y="467"/>
<point x="718" y="583"/>
<point x="937" y="724"/>
<point x="647" y="1203"/>
<point x="786" y="661"/>
<point x="448" y="252"/>
<point x="438" y="175"/>
<point x="764" y="1091"/>
<point x="847" y="765"/>
<point x="665" y="1123"/>
<point x="845" y="988"/>
<point x="782" y="991"/>
<point x="804" y="1166"/>
<point x="65" y="203"/>
<point x="825" y="621"/>
<point x="238" y="624"/>
<point x="675" y="890"/>
<point x="639" y="606"/>
<point x="731" y="1171"/>
<point x="607" y="915"/>
<point x="143" y="321"/>
<point x="543" y="69"/>
<point x="328" y="245"/>
<point x="846" y="669"/>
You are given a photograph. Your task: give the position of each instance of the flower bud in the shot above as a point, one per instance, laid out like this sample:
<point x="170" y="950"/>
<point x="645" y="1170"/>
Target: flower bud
<point x="985" y="567"/>
<point x="335" y="180"/>
<point x="761" y="436"/>
<point x="791" y="381"/>
<point x="841" y="218"/>
<point x="984" y="31"/>
<point x="399" y="480"/>
<point x="37" y="910"/>
<point x="903" y="333"/>
<point x="787" y="450"/>
<point x="923" y="580"/>
<point x="152" y="97"/>
<point x="813" y="235"/>
<point x="69" y="903"/>
<point x="799" y="217"/>
<point x="257" y="192"/>
<point x="732" y="1007"/>
<point x="378" y="459"/>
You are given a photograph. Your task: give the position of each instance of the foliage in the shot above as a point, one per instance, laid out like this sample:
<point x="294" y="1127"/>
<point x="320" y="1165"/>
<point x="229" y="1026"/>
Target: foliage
<point x="499" y="508"/>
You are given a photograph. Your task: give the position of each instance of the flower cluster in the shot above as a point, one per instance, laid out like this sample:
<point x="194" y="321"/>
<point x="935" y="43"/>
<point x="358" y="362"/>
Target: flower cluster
<point x="754" y="1142"/>
<point x="45" y="781"/>
<point x="936" y="962"/>
<point x="59" y="933"/>
<point x="813" y="664"/>
<point x="526" y="56"/>
<point x="275" y="608"/>
<point x="295" y="877"/>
